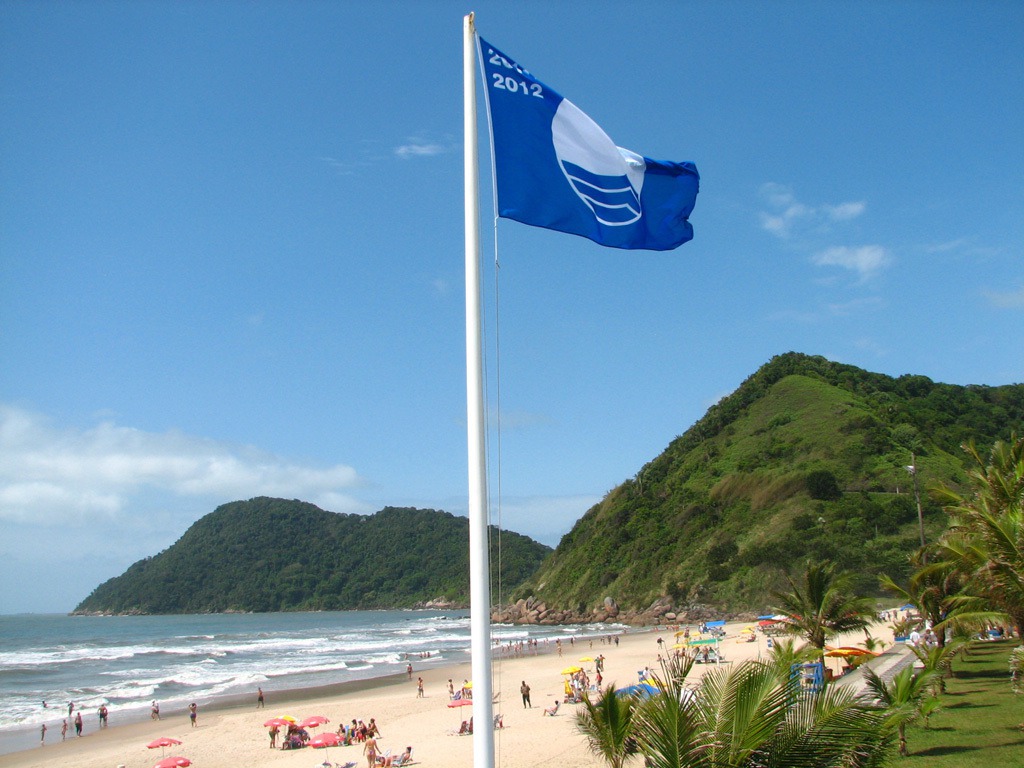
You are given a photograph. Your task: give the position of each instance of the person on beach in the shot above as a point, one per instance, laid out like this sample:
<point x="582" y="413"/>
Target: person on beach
<point x="525" y="690"/>
<point x="373" y="730"/>
<point x="370" y="750"/>
<point x="259" y="698"/>
<point x="78" y="723"/>
<point x="42" y="735"/>
<point x="192" y="712"/>
<point x="451" y="689"/>
<point x="71" y="708"/>
<point x="273" y="737"/>
<point x="408" y="671"/>
<point x="64" y="729"/>
<point x="419" y="687"/>
<point x="102" y="712"/>
<point x="154" y="711"/>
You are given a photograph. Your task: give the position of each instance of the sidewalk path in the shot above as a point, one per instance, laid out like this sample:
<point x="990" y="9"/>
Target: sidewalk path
<point x="885" y="666"/>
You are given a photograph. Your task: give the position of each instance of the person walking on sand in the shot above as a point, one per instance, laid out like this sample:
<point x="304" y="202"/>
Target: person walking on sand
<point x="370" y="750"/>
<point x="408" y="670"/>
<point x="259" y="698"/>
<point x="192" y="711"/>
<point x="525" y="690"/>
<point x="419" y="687"/>
<point x="102" y="712"/>
<point x="154" y="711"/>
<point x="78" y="723"/>
<point x="42" y="735"/>
<point x="64" y="729"/>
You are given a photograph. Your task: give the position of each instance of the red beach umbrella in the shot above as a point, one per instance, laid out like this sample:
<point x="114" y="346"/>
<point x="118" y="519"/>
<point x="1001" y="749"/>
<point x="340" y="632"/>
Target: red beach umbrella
<point x="277" y="722"/>
<point x="163" y="741"/>
<point x="173" y="762"/>
<point x="315" y="721"/>
<point x="460" y="703"/>
<point x="325" y="740"/>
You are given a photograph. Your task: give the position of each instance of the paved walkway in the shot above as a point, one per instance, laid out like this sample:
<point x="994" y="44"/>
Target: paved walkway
<point x="885" y="666"/>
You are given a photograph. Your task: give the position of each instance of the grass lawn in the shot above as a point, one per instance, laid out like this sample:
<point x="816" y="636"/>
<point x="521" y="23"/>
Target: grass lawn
<point x="977" y="725"/>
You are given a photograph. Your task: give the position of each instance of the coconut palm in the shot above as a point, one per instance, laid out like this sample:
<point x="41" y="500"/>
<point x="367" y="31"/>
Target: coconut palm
<point x="607" y="726"/>
<point x="750" y="715"/>
<point x="986" y="536"/>
<point x="904" y="698"/>
<point x="822" y="605"/>
<point x="936" y="590"/>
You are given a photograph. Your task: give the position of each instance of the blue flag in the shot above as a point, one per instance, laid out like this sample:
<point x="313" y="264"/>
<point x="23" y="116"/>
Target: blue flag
<point x="556" y="168"/>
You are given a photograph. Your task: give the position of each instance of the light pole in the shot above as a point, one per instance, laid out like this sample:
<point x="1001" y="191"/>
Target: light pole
<point x="912" y="469"/>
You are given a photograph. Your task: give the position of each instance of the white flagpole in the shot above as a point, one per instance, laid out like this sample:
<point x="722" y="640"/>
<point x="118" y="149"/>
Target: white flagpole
<point x="479" y="576"/>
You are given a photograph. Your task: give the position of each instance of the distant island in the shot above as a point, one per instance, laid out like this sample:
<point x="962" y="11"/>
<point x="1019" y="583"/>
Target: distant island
<point x="269" y="554"/>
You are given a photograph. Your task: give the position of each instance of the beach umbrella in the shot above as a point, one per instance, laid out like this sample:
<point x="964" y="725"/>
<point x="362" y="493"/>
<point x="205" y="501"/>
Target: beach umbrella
<point x="279" y="722"/>
<point x="709" y="641"/>
<point x="640" y="690"/>
<point x="315" y="721"/>
<point x="460" y="702"/>
<point x="328" y="739"/>
<point x="586" y="659"/>
<point x="173" y="762"/>
<point x="161" y="743"/>
<point x="570" y="670"/>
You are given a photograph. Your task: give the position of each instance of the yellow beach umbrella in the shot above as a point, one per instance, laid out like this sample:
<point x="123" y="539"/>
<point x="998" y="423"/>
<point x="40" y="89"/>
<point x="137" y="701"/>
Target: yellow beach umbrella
<point x="571" y="670"/>
<point x="586" y="658"/>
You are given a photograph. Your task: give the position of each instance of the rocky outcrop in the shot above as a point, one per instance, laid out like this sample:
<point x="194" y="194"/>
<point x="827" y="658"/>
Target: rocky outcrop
<point x="532" y="610"/>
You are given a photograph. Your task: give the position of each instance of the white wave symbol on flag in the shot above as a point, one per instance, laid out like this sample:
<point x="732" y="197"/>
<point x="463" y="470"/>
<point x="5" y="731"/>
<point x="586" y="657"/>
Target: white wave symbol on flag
<point x="605" y="177"/>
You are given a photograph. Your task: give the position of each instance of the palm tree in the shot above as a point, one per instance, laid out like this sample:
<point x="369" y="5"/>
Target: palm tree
<point x="750" y="715"/>
<point x="904" y="698"/>
<point x="936" y="590"/>
<point x="986" y="536"/>
<point x="822" y="606"/>
<point x="607" y="726"/>
<point x="939" y="659"/>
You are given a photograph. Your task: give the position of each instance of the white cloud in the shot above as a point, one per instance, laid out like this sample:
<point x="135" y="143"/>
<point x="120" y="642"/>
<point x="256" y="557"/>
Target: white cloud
<point x="543" y="518"/>
<point x="50" y="476"/>
<point x="787" y="217"/>
<point x="844" y="211"/>
<point x="865" y="260"/>
<point x="415" y="148"/>
<point x="1006" y="299"/>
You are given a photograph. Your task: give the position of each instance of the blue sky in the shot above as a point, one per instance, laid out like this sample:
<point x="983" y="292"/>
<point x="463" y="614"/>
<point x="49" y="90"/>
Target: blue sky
<point x="231" y="249"/>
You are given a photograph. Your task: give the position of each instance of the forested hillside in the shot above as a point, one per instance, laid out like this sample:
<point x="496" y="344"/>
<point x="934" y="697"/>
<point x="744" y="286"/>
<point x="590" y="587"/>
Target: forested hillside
<point x="808" y="458"/>
<point x="277" y="555"/>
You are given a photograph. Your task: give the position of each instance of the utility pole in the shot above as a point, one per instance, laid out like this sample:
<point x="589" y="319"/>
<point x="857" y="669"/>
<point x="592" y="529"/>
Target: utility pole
<point x="912" y="469"/>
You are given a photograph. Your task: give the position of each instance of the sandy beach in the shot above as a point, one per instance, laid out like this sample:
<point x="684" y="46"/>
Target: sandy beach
<point x="232" y="733"/>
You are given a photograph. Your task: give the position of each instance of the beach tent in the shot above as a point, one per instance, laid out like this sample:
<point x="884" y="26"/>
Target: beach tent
<point x="720" y="623"/>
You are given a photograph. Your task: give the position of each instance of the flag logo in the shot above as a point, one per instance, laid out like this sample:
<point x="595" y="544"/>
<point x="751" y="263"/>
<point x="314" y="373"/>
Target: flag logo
<point x="556" y="168"/>
<point x="596" y="169"/>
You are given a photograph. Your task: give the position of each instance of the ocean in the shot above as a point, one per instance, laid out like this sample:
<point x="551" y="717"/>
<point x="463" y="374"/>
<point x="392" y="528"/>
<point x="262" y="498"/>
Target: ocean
<point x="127" y="662"/>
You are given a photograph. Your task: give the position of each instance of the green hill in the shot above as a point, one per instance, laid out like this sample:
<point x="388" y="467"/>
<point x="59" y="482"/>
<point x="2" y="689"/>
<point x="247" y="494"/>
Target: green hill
<point x="276" y="555"/>
<point x="806" y="459"/>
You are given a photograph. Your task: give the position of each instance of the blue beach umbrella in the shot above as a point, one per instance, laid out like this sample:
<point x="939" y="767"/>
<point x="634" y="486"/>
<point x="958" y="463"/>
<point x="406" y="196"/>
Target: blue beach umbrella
<point x="640" y="690"/>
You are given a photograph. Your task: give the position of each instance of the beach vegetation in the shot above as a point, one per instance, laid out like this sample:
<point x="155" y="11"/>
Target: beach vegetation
<point x="821" y="605"/>
<point x="753" y="714"/>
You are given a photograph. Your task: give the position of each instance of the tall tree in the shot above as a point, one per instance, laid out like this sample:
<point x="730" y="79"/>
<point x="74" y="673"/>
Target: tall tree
<point x="936" y="590"/>
<point x="822" y="605"/>
<point x="986" y="534"/>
